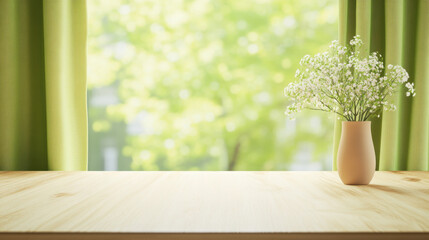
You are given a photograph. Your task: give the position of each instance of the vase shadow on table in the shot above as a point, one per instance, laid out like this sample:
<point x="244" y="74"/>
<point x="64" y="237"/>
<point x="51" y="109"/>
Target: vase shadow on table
<point x="389" y="189"/>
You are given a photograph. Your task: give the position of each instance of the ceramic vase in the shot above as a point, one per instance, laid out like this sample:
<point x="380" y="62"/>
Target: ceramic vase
<point x="356" y="154"/>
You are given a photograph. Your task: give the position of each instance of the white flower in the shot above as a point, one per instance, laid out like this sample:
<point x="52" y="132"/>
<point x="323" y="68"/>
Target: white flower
<point x="341" y="81"/>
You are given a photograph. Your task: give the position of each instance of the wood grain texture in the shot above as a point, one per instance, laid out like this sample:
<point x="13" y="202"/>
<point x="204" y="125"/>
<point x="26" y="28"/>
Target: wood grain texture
<point x="211" y="202"/>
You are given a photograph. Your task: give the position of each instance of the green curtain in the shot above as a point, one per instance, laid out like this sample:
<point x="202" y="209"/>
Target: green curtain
<point x="43" y="117"/>
<point x="399" y="30"/>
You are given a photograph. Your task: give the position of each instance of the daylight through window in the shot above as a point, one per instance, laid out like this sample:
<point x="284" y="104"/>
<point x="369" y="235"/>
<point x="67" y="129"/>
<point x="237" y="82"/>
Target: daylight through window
<point x="198" y="85"/>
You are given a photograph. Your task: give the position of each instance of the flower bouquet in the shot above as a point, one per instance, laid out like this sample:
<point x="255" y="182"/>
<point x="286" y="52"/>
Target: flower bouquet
<point x="356" y="87"/>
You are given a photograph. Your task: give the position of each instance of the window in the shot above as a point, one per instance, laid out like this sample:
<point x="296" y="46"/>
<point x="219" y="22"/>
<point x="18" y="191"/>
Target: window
<point x="198" y="84"/>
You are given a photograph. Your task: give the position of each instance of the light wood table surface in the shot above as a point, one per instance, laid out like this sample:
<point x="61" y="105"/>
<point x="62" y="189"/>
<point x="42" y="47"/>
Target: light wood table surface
<point x="212" y="205"/>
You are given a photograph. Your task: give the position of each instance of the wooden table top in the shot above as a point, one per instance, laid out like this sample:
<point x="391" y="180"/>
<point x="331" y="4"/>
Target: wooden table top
<point x="250" y="203"/>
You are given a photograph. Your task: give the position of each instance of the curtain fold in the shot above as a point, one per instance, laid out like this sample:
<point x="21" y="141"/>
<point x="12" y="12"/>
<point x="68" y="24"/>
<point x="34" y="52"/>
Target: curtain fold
<point x="390" y="120"/>
<point x="43" y="120"/>
<point x="399" y="31"/>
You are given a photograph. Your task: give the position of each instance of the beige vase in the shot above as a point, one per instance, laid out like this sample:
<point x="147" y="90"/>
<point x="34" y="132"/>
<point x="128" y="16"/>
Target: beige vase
<point x="356" y="154"/>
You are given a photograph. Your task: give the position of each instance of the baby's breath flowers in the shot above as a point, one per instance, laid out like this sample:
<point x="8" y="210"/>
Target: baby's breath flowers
<point x="343" y="82"/>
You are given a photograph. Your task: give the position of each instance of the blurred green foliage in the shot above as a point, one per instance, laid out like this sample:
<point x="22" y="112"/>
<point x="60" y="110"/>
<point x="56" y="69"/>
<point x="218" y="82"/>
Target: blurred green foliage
<point x="198" y="84"/>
